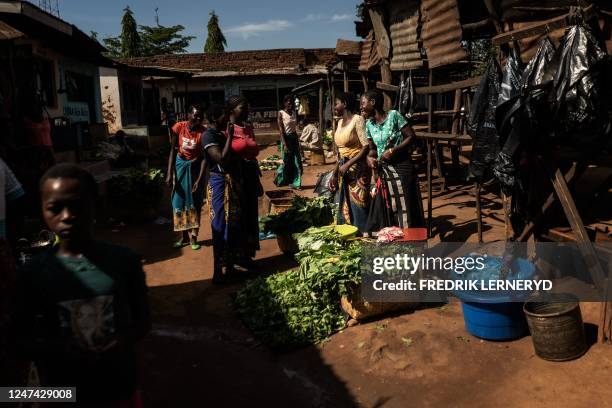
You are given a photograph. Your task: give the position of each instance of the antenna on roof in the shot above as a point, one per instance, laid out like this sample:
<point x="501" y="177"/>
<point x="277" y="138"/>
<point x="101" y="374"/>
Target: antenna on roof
<point x="50" y="6"/>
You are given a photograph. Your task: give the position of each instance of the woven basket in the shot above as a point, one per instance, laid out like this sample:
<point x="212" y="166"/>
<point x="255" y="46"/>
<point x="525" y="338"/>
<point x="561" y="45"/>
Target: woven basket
<point x="359" y="309"/>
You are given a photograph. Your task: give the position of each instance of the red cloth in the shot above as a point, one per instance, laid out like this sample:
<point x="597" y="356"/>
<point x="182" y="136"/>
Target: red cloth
<point x="243" y="142"/>
<point x="189" y="140"/>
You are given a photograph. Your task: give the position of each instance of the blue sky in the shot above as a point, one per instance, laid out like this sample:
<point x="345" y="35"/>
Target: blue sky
<point x="247" y="24"/>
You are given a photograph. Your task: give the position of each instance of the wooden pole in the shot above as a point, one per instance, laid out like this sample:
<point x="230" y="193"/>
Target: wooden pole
<point x="364" y="79"/>
<point x="386" y="78"/>
<point x="429" y="190"/>
<point x="430" y="128"/>
<point x="346" y="81"/>
<point x="478" y="211"/>
<point x="321" y="108"/>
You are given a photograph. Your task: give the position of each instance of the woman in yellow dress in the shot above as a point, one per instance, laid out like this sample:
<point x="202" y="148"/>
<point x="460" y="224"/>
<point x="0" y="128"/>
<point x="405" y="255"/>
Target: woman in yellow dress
<point x="351" y="180"/>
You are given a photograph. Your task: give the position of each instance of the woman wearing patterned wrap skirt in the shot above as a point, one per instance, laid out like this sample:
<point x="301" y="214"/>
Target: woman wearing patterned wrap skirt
<point x="351" y="179"/>
<point x="398" y="199"/>
<point x="185" y="175"/>
<point x="290" y="172"/>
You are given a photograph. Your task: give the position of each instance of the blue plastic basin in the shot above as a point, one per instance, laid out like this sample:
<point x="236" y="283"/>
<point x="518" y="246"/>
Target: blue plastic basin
<point x="497" y="315"/>
<point x="495" y="321"/>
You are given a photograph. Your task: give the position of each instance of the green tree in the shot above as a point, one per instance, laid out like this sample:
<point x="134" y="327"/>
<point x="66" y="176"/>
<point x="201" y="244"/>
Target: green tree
<point x="113" y="47"/>
<point x="215" y="42"/>
<point x="130" y="38"/>
<point x="158" y="40"/>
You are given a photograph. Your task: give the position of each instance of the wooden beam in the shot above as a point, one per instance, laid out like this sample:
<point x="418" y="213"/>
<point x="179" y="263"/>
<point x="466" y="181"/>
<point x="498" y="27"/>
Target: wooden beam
<point x="477" y="25"/>
<point x="387" y="87"/>
<point x="586" y="249"/>
<point x="385" y="73"/>
<point x="383" y="43"/>
<point x="346" y="82"/>
<point x="321" y="111"/>
<point x="537" y="28"/>
<point x="364" y="79"/>
<point x="466" y="83"/>
<point x="442" y="136"/>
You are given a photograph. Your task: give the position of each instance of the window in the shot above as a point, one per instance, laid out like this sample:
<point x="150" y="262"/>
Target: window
<point x="79" y="88"/>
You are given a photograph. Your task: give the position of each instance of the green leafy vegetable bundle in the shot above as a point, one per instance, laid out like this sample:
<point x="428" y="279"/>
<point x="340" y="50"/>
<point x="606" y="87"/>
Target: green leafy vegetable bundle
<point x="302" y="306"/>
<point x="303" y="214"/>
<point x="146" y="188"/>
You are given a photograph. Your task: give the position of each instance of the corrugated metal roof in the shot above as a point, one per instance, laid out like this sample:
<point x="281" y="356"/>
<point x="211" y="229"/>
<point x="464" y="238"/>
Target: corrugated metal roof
<point x="369" y="53"/>
<point x="348" y="48"/>
<point x="8" y="32"/>
<point x="441" y="32"/>
<point x="404" y="29"/>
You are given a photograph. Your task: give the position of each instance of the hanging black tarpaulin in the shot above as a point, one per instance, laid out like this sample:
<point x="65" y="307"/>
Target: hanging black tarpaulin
<point x="481" y="123"/>
<point x="581" y="116"/>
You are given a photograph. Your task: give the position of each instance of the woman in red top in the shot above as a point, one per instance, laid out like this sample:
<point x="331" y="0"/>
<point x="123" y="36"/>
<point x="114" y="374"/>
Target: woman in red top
<point x="185" y="176"/>
<point x="245" y="147"/>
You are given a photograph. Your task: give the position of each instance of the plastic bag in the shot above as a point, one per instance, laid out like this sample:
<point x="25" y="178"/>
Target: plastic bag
<point x="581" y="116"/>
<point x="481" y="123"/>
<point x="407" y="97"/>
<point x="507" y="115"/>
<point x="322" y="186"/>
<point x="536" y="85"/>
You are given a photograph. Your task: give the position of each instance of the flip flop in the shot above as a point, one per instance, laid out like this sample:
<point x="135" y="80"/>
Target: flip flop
<point x="179" y="244"/>
<point x="195" y="247"/>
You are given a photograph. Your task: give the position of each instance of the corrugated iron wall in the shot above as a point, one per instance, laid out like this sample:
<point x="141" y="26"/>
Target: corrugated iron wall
<point x="404" y="26"/>
<point x="369" y="53"/>
<point x="441" y="32"/>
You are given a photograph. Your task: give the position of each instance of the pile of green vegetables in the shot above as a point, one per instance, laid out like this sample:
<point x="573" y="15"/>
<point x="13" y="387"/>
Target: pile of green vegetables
<point x="303" y="214"/>
<point x="136" y="186"/>
<point x="270" y="163"/>
<point x="301" y="307"/>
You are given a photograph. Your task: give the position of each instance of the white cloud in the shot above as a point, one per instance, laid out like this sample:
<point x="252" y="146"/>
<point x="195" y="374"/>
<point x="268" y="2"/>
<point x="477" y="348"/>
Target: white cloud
<point x="249" y="30"/>
<point x="314" y="17"/>
<point x="341" y="17"/>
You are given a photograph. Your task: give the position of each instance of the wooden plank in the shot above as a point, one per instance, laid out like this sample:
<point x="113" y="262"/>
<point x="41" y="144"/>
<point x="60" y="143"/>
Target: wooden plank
<point x="364" y="79"/>
<point x="387" y="87"/>
<point x="438" y="113"/>
<point x="429" y="190"/>
<point x="536" y="28"/>
<point x="466" y="83"/>
<point x="321" y="110"/>
<point x="383" y="43"/>
<point x="442" y="136"/>
<point x="586" y="249"/>
<point x="457" y="109"/>
<point x="387" y="77"/>
<point x="550" y="200"/>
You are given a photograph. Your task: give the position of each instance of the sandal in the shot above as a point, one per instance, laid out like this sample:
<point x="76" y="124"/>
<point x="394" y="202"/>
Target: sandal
<point x="195" y="246"/>
<point x="179" y="244"/>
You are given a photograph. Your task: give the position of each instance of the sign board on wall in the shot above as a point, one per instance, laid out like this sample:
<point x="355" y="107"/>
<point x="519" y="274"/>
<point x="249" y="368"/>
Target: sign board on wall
<point x="263" y="119"/>
<point x="77" y="111"/>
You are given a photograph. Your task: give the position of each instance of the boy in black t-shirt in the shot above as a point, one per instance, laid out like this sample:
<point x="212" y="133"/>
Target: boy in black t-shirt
<point x="81" y="306"/>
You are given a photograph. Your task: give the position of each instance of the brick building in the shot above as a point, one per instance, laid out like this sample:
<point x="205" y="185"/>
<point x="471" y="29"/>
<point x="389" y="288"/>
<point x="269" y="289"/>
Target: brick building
<point x="263" y="76"/>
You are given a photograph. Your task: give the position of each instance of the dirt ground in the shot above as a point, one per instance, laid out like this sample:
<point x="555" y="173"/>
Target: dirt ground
<point x="199" y="354"/>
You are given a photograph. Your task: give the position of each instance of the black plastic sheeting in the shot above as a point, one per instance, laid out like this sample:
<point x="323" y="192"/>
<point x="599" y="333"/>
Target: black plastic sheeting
<point x="508" y="123"/>
<point x="581" y="116"/>
<point x="481" y="123"/>
<point x="560" y="97"/>
<point x="407" y="100"/>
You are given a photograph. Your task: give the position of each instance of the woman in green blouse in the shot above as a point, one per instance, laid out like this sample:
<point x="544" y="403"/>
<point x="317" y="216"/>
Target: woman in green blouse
<point x="398" y="199"/>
